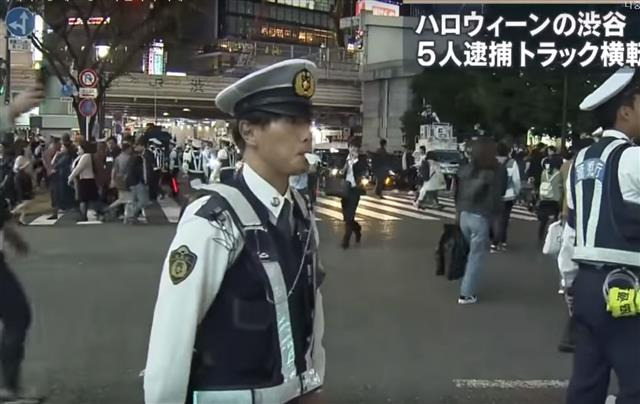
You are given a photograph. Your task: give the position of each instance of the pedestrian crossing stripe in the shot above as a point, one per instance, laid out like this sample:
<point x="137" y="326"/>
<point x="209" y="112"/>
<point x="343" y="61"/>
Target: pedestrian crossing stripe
<point x="163" y="211"/>
<point x="398" y="206"/>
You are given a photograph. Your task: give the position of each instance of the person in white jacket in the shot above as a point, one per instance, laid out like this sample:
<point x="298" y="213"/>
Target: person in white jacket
<point x="514" y="185"/>
<point x="433" y="182"/>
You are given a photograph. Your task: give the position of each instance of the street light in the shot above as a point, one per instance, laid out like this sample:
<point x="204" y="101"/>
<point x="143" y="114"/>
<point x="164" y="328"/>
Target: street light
<point x="102" y="51"/>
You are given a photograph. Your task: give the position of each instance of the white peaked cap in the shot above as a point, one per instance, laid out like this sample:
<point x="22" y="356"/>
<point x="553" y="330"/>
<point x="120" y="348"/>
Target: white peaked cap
<point x="615" y="84"/>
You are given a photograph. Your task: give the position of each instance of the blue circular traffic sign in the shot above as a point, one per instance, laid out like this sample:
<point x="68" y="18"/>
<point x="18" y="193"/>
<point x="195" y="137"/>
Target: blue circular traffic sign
<point x="20" y="21"/>
<point x="88" y="107"/>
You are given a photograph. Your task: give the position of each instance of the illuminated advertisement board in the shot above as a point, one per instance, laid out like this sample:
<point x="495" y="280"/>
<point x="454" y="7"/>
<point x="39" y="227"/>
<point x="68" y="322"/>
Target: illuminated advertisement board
<point x="378" y="8"/>
<point x="154" y="59"/>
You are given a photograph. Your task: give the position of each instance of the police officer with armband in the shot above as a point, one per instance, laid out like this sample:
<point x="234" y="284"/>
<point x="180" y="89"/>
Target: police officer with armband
<point x="603" y="197"/>
<point x="239" y="315"/>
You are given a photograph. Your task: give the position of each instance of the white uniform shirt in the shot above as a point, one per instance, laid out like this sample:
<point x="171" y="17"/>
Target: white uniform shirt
<point x="629" y="179"/>
<point x="180" y="308"/>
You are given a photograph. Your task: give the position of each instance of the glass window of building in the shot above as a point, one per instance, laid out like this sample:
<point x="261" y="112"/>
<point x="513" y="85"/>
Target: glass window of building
<point x="231" y="25"/>
<point x="249" y="9"/>
<point x="239" y="7"/>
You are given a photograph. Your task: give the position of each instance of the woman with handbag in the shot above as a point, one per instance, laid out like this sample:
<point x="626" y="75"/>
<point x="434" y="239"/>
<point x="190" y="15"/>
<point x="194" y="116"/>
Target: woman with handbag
<point x="354" y="169"/>
<point x="478" y="195"/>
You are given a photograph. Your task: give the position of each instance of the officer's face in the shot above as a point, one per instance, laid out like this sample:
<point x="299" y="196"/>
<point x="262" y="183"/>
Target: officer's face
<point x="282" y="144"/>
<point x="632" y="116"/>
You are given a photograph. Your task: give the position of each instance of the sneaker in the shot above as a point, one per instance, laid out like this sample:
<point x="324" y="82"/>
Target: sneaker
<point x="467" y="299"/>
<point x="494" y="248"/>
<point x="503" y="247"/>
<point x="11" y="397"/>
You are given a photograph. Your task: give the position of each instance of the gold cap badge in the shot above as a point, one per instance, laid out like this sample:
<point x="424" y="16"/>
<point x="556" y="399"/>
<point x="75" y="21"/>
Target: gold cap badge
<point x="304" y="84"/>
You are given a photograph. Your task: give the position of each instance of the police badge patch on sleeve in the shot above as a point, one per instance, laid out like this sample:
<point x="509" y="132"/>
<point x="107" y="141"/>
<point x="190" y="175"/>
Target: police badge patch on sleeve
<point x="181" y="263"/>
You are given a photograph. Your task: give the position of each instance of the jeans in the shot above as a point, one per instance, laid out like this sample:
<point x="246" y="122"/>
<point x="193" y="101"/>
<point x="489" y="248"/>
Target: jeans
<point x="475" y="229"/>
<point x="140" y="201"/>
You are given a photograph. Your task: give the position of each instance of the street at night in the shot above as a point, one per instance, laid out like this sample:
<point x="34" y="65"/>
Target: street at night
<point x="394" y="331"/>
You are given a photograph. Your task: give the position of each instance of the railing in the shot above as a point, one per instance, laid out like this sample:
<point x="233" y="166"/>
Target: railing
<point x="206" y="88"/>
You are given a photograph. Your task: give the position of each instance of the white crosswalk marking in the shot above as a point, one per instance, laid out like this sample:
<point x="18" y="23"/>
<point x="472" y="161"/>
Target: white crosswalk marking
<point x="44" y="221"/>
<point x="400" y="206"/>
<point x="396" y="206"/>
<point x="360" y="211"/>
<point x="329" y="212"/>
<point x="171" y="209"/>
<point x="381" y="205"/>
<point x="513" y="213"/>
<point x="408" y="205"/>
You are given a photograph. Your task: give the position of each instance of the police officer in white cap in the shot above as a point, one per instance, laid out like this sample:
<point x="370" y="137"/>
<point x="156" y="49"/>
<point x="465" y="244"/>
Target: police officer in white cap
<point x="604" y="225"/>
<point x="194" y="164"/>
<point x="239" y="315"/>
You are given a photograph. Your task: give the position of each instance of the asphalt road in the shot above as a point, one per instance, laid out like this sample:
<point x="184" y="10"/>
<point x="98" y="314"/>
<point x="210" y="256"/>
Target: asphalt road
<point x="395" y="333"/>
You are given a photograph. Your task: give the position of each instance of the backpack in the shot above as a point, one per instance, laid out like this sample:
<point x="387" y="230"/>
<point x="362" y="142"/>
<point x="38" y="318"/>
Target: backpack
<point x="548" y="191"/>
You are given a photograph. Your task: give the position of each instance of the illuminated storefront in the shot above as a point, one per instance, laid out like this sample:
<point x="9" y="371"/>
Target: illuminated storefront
<point x="377" y="7"/>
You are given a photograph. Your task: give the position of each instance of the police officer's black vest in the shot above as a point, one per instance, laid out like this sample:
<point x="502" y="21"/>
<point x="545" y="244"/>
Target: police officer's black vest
<point x="607" y="227"/>
<point x="237" y="345"/>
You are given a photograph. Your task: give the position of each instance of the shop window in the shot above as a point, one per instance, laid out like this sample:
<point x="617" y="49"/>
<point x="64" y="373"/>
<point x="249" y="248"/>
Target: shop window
<point x="264" y="30"/>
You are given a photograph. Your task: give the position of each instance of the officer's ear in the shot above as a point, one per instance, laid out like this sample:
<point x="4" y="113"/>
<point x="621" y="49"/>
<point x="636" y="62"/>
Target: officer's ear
<point x="247" y="132"/>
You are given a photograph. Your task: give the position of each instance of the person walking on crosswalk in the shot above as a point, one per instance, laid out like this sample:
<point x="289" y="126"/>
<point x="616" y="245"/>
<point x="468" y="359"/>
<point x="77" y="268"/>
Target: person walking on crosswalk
<point x="501" y="224"/>
<point x="478" y="191"/>
<point x="354" y="170"/>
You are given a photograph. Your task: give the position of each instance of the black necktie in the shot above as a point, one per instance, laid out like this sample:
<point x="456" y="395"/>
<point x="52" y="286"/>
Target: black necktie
<point x="284" y="222"/>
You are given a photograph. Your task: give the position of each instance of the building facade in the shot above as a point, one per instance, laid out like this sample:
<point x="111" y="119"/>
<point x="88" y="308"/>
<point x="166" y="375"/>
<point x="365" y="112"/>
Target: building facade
<point x="300" y="22"/>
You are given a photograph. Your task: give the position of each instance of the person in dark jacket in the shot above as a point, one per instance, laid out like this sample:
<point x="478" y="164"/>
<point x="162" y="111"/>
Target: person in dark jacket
<point x="354" y="169"/>
<point x="137" y="180"/>
<point x="480" y="186"/>
<point x="380" y="167"/>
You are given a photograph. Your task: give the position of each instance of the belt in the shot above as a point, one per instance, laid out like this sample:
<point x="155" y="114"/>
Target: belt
<point x="287" y="391"/>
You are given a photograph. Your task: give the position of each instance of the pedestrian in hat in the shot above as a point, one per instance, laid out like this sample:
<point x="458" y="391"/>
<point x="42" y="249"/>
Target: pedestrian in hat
<point x="603" y="199"/>
<point x="239" y="315"/>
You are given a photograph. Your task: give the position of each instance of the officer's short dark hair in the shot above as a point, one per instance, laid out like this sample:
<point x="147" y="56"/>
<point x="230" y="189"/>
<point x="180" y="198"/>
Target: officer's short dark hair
<point x="606" y="113"/>
<point x="261" y="119"/>
<point x="383" y="142"/>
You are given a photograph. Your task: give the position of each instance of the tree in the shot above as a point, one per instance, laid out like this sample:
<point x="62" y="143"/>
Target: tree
<point x="510" y="101"/>
<point x="74" y="27"/>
